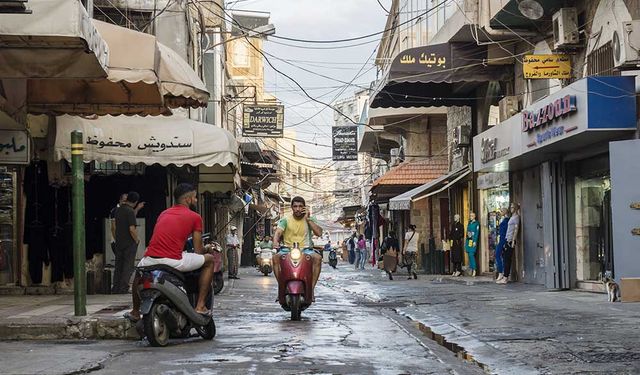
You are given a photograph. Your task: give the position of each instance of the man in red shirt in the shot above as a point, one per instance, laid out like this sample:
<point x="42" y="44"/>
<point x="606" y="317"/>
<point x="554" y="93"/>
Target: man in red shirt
<point x="173" y="228"/>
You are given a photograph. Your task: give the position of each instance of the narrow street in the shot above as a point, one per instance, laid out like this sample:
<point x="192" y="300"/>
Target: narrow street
<point x="340" y="334"/>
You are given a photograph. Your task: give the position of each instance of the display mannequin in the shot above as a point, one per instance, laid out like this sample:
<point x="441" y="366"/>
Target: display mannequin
<point x="511" y="237"/>
<point x="502" y="241"/>
<point x="471" y="242"/>
<point x="456" y="235"/>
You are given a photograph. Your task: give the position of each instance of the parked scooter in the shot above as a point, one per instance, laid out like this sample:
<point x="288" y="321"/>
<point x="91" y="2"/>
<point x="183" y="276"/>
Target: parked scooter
<point x="295" y="287"/>
<point x="218" y="270"/>
<point x="264" y="259"/>
<point x="168" y="300"/>
<point x="333" y="258"/>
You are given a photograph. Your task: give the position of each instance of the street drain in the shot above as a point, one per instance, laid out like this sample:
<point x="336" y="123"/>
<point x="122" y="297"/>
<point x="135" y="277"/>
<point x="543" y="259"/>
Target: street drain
<point x="458" y="350"/>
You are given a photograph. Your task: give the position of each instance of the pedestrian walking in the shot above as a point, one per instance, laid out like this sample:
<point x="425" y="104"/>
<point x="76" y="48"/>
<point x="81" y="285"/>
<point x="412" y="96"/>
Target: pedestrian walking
<point x="352" y="247"/>
<point x="233" y="250"/>
<point x="502" y="241"/>
<point x="471" y="242"/>
<point x="361" y="257"/>
<point x="390" y="249"/>
<point x="511" y="235"/>
<point x="126" y="243"/>
<point x="456" y="235"/>
<point x="410" y="250"/>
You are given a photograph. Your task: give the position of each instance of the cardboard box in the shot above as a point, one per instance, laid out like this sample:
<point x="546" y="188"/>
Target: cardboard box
<point x="630" y="289"/>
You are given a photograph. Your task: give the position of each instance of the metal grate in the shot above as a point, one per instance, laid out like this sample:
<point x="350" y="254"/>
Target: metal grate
<point x="600" y="62"/>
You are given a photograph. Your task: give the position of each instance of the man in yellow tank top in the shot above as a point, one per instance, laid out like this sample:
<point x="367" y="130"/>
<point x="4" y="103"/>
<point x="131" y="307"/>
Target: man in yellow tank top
<point x="298" y="227"/>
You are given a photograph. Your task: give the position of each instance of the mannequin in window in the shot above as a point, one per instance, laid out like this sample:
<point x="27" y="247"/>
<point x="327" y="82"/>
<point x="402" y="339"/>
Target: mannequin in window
<point x="471" y="242"/>
<point x="456" y="235"/>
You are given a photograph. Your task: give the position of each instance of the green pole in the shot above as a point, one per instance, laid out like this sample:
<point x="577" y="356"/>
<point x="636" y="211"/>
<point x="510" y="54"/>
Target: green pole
<point x="79" y="275"/>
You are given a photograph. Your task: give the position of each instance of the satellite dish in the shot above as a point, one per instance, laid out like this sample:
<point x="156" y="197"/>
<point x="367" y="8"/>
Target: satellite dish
<point x="531" y="9"/>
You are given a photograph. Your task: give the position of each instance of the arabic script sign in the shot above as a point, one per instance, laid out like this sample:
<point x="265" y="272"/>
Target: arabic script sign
<point x="14" y="147"/>
<point x="434" y="58"/>
<point x="546" y="66"/>
<point x="152" y="144"/>
<point x="345" y="143"/>
<point x="263" y="121"/>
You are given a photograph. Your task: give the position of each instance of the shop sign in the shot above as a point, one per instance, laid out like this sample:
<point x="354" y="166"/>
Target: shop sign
<point x="14" y="147"/>
<point x="428" y="59"/>
<point x="263" y="121"/>
<point x="532" y="120"/>
<point x="345" y="143"/>
<point x="546" y="66"/>
<point x="491" y="180"/>
<point x="489" y="150"/>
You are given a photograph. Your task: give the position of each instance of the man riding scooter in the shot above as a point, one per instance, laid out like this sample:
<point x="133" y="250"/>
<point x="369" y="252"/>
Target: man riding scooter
<point x="171" y="231"/>
<point x="298" y="228"/>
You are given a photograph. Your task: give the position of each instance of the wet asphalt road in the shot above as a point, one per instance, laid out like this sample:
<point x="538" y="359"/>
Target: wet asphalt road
<point x="339" y="334"/>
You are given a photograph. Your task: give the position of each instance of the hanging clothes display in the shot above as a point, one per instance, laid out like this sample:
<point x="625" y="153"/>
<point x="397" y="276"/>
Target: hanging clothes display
<point x="36" y="189"/>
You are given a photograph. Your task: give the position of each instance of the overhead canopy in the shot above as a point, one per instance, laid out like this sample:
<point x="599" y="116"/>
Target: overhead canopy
<point x="179" y="83"/>
<point x="437" y="75"/>
<point x="403" y="201"/>
<point x="145" y="78"/>
<point x="157" y="140"/>
<point x="408" y="175"/>
<point x="57" y="40"/>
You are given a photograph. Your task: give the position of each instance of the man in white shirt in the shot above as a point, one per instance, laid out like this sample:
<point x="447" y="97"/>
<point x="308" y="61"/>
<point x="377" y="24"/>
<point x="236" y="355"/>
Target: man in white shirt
<point x="233" y="252"/>
<point x="410" y="250"/>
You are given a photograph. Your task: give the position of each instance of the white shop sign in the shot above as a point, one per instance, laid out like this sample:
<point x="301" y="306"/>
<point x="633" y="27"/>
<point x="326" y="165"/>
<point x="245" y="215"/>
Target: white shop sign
<point x="14" y="147"/>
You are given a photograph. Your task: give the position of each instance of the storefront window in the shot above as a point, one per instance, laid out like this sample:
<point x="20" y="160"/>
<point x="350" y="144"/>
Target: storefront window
<point x="593" y="250"/>
<point x="8" y="223"/>
<point x="493" y="200"/>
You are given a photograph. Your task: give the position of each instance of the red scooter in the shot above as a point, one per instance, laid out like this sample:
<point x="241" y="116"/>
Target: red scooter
<point x="295" y="287"/>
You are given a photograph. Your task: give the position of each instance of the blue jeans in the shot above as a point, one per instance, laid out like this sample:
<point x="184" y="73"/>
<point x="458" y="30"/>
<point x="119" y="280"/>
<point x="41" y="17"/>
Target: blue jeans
<point x="499" y="262"/>
<point x="363" y="258"/>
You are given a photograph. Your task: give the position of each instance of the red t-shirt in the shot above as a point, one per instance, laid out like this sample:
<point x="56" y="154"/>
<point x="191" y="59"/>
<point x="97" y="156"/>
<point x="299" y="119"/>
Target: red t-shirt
<point x="173" y="228"/>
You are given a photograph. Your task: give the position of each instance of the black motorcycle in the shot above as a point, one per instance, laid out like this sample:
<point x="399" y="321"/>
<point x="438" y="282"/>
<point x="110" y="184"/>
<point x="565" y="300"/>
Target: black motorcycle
<point x="333" y="258"/>
<point x="168" y="300"/>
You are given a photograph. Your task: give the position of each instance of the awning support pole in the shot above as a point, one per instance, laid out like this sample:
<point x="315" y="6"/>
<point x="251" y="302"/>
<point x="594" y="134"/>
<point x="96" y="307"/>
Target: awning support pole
<point x="79" y="275"/>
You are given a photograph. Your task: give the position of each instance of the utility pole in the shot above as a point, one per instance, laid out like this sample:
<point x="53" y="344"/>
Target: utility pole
<point x="77" y="192"/>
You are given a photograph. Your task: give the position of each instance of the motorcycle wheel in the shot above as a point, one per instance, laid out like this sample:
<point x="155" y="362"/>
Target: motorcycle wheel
<point x="218" y="282"/>
<point x="295" y="307"/>
<point x="207" y="332"/>
<point x="155" y="328"/>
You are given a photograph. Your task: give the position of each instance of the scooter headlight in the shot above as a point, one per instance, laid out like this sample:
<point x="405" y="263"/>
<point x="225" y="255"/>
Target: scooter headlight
<point x="296" y="254"/>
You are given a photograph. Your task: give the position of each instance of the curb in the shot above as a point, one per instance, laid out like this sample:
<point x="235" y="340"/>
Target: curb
<point x="74" y="328"/>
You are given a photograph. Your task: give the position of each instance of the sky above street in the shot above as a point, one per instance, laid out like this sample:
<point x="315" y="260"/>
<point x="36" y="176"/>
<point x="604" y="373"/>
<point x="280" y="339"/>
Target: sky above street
<point x="318" y="20"/>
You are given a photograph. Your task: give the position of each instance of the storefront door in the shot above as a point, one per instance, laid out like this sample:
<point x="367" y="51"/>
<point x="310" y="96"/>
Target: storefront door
<point x="533" y="257"/>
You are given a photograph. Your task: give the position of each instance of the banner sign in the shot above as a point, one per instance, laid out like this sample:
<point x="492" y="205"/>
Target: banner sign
<point x="345" y="143"/>
<point x="546" y="66"/>
<point x="263" y="121"/>
<point x="14" y="147"/>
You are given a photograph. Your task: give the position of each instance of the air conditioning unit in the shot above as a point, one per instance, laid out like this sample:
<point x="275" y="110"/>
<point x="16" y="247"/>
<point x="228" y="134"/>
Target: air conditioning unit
<point x="395" y="157"/>
<point x="565" y="28"/>
<point x="462" y="136"/>
<point x="626" y="47"/>
<point x="508" y="107"/>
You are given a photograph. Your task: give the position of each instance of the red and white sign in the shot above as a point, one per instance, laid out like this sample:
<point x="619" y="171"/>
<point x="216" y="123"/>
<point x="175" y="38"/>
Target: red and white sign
<point x="560" y="107"/>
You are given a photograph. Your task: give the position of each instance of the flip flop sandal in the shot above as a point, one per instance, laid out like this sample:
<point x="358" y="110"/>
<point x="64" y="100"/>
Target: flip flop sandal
<point x="130" y="317"/>
<point x="205" y="313"/>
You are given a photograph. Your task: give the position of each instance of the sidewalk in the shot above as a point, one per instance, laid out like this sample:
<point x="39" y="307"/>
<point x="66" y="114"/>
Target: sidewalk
<point x="515" y="328"/>
<point x="52" y="317"/>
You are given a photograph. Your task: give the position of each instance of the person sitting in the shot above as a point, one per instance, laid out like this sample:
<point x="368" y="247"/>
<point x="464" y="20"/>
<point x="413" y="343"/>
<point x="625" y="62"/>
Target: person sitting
<point x="173" y="228"/>
<point x="297" y="227"/>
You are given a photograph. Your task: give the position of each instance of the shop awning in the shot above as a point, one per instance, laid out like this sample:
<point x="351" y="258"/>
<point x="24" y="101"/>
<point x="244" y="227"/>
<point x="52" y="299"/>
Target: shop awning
<point x="180" y="85"/>
<point x="144" y="78"/>
<point x="403" y="201"/>
<point x="444" y="74"/>
<point x="57" y="40"/>
<point x="157" y="140"/>
<point x="407" y="176"/>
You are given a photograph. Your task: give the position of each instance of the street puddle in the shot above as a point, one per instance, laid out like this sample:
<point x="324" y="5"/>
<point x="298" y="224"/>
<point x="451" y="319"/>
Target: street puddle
<point x="204" y="359"/>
